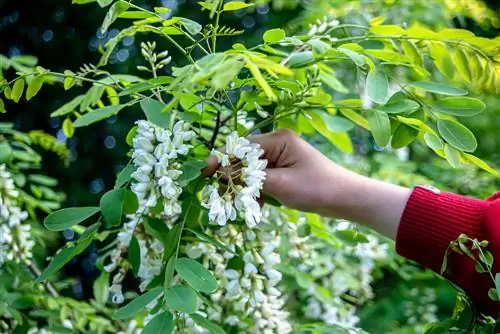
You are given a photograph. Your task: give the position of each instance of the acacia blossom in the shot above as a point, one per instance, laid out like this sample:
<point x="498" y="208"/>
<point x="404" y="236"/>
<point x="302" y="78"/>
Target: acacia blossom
<point x="156" y="153"/>
<point x="15" y="237"/>
<point x="245" y="183"/>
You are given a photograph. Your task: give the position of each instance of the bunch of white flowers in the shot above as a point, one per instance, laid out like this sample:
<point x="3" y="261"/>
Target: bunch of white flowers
<point x="250" y="292"/>
<point x="15" y="237"/>
<point x="155" y="153"/>
<point x="332" y="271"/>
<point x="246" y="173"/>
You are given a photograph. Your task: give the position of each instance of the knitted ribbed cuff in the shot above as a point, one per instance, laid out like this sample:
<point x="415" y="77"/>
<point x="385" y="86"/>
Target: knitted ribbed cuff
<point x="432" y="219"/>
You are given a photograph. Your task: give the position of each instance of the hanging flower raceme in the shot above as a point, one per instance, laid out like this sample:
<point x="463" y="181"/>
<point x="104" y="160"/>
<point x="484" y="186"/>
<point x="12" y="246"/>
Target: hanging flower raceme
<point x="245" y="173"/>
<point x="15" y="237"/>
<point x="156" y="157"/>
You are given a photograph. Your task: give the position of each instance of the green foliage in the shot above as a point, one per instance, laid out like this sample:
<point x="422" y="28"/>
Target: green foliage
<point x="414" y="82"/>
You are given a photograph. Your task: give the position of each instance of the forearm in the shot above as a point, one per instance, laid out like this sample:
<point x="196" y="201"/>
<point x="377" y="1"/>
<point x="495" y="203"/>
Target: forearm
<point x="373" y="203"/>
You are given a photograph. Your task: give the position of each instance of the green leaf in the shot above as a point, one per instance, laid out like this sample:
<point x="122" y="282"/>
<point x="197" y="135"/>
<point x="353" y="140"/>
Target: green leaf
<point x="400" y="106"/>
<point x="273" y="35"/>
<point x="209" y="239"/>
<point x="98" y="115"/>
<point x="68" y="128"/>
<point x="153" y="111"/>
<point x="459" y="106"/>
<point x="301" y="59"/>
<point x="441" y="56"/>
<point x="403" y="136"/>
<point x="351" y="236"/>
<point x="355" y="117"/>
<point x="112" y="15"/>
<point x="17" y="90"/>
<point x="101" y="289"/>
<point x="411" y="51"/>
<point x="5" y="152"/>
<point x="191" y="169"/>
<point x="130" y="135"/>
<point x="235" y="5"/>
<point x="438" y="88"/>
<point x="497" y="285"/>
<point x="380" y="126"/>
<point x="124" y="176"/>
<point x="452" y="156"/>
<point x="59" y="260"/>
<point x="65" y="218"/>
<point x="356" y="57"/>
<point x="336" y="123"/>
<point x="68" y="107"/>
<point x="159" y="230"/>
<point x="196" y="275"/>
<point x="433" y="142"/>
<point x="207" y="324"/>
<point x="134" y="255"/>
<point x="162" y="323"/>
<point x="457" y="135"/>
<point x="493" y="293"/>
<point x="182" y="299"/>
<point x="137" y="304"/>
<point x="480" y="163"/>
<point x="377" y="86"/>
<point x="114" y="204"/>
<point x="260" y="80"/>
<point x="2" y="107"/>
<point x="69" y="80"/>
<point x="462" y="64"/>
<point x="43" y="180"/>
<point x="191" y="26"/>
<point x="34" y="86"/>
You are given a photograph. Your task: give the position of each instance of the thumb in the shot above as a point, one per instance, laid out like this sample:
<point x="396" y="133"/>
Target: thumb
<point x="275" y="182"/>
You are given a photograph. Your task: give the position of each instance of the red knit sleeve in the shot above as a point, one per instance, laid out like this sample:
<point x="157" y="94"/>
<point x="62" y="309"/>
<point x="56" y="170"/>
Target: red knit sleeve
<point x="432" y="219"/>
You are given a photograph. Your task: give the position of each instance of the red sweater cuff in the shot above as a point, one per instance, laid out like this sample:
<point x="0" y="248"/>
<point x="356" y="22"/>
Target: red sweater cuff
<point x="432" y="219"/>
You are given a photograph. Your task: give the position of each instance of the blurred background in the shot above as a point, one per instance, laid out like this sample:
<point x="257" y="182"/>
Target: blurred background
<point x="65" y="36"/>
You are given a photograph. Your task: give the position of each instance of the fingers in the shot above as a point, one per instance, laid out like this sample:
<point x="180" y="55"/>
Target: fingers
<point x="275" y="144"/>
<point x="275" y="182"/>
<point x="212" y="165"/>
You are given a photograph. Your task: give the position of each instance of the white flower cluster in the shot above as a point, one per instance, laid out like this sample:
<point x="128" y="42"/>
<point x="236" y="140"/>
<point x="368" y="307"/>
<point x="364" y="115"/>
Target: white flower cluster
<point x="154" y="156"/>
<point x="15" y="237"/>
<point x="250" y="292"/>
<point x="333" y="270"/>
<point x="320" y="26"/>
<point x="421" y="309"/>
<point x="246" y="173"/>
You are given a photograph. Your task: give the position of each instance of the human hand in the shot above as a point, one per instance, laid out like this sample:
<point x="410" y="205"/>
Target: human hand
<point x="301" y="177"/>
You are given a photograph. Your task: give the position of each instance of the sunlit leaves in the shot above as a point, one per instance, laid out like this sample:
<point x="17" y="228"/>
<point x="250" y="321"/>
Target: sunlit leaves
<point x="462" y="64"/>
<point x="438" y="88"/>
<point x="403" y="136"/>
<point x="69" y="80"/>
<point x="65" y="218"/>
<point x="260" y="80"/>
<point x="191" y="26"/>
<point x="68" y="128"/>
<point x="459" y="106"/>
<point x="273" y="35"/>
<point x="235" y="5"/>
<point x="380" y="126"/>
<point x="114" y="11"/>
<point x="137" y="304"/>
<point x="457" y="135"/>
<point x="5" y="152"/>
<point x="441" y="56"/>
<point x="97" y="115"/>
<point x="17" y="90"/>
<point x="377" y="86"/>
<point x="452" y="155"/>
<point x="34" y="86"/>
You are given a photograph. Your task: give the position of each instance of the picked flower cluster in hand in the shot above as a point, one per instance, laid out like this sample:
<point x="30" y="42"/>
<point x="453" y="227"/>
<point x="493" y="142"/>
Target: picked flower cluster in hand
<point x="15" y="237"/>
<point x="155" y="154"/>
<point x="246" y="173"/>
